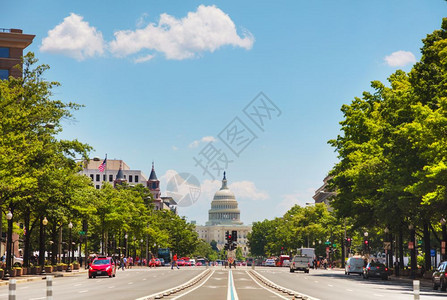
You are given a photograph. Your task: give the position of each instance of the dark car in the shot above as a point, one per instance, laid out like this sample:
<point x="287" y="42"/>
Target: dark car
<point x="375" y="269"/>
<point x="439" y="277"/>
<point x="102" y="266"/>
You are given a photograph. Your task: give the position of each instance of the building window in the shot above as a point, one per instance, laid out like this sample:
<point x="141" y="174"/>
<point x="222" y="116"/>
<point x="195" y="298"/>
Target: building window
<point x="97" y="186"/>
<point x="97" y="177"/>
<point x="92" y="177"/>
<point x="4" y="74"/>
<point x="110" y="178"/>
<point x="4" y="52"/>
<point x="136" y="178"/>
<point x="104" y="177"/>
<point x="130" y="178"/>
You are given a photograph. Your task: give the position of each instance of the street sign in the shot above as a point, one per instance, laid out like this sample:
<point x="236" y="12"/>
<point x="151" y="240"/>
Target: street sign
<point x="387" y="245"/>
<point x="419" y="243"/>
<point x="334" y="245"/>
<point x="81" y="232"/>
<point x="410" y="245"/>
<point x="327" y="243"/>
<point x="432" y="252"/>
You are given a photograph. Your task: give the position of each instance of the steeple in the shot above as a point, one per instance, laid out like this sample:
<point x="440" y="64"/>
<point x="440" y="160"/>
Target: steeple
<point x="120" y="176"/>
<point x="153" y="176"/>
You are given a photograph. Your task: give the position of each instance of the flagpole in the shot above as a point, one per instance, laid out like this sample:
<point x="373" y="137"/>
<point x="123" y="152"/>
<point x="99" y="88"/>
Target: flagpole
<point x="106" y="170"/>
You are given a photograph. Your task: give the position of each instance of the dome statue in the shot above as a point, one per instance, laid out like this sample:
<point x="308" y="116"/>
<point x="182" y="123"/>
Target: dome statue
<point x="224" y="207"/>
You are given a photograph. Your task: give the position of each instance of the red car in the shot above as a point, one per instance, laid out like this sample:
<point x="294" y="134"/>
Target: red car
<point x="102" y="266"/>
<point x="155" y="263"/>
<point x="180" y="262"/>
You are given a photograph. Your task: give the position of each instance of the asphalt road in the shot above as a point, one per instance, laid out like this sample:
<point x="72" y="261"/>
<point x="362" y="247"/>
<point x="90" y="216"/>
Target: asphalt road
<point x="335" y="285"/>
<point x="220" y="283"/>
<point x="128" y="284"/>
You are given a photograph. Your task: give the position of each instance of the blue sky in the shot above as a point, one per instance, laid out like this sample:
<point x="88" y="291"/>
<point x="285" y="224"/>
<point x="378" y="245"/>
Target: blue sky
<point x="161" y="79"/>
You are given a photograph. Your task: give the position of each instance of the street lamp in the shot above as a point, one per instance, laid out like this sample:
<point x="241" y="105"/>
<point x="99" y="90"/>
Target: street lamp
<point x="386" y="249"/>
<point x="125" y="243"/>
<point x="42" y="243"/>
<point x="70" y="226"/>
<point x="8" y="245"/>
<point x="366" y="242"/>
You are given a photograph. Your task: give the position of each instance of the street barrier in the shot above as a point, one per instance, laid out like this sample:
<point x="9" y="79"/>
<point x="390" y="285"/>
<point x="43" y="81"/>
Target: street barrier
<point x="416" y="289"/>
<point x="49" y="287"/>
<point x="12" y="289"/>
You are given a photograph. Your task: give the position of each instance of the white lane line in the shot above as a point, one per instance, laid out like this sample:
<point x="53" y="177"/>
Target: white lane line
<point x="144" y="279"/>
<point x="231" y="291"/>
<point x="85" y="291"/>
<point x="330" y="285"/>
<point x="78" y="284"/>
<point x="349" y="290"/>
<point x="273" y="292"/>
<point x="195" y="287"/>
<point x="130" y="282"/>
<point x="378" y="295"/>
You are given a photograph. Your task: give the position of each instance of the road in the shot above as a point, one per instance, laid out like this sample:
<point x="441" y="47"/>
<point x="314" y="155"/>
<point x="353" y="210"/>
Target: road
<point x="219" y="283"/>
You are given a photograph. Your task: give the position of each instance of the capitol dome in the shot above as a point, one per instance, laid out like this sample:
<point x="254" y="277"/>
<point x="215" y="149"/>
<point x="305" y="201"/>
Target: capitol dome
<point x="224" y="207"/>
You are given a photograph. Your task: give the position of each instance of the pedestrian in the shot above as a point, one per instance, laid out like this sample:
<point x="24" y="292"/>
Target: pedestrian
<point x="174" y="262"/>
<point x="325" y="263"/>
<point x="124" y="263"/>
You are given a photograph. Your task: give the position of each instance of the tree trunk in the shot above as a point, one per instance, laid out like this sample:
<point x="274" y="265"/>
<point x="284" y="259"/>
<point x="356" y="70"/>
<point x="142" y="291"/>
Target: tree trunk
<point x="401" y="249"/>
<point x="427" y="246"/>
<point x="41" y="243"/>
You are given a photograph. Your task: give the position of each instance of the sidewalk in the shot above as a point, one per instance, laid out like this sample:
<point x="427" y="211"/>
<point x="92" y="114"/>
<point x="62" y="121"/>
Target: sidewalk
<point x="424" y="281"/>
<point x="27" y="278"/>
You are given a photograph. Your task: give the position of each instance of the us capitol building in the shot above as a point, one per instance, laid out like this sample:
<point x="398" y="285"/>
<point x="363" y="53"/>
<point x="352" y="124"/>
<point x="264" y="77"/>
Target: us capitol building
<point x="223" y="216"/>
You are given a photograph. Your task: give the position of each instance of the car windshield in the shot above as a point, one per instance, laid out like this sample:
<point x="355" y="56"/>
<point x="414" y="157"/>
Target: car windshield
<point x="101" y="262"/>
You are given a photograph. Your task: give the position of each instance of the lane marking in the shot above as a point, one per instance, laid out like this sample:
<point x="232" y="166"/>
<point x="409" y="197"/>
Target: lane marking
<point x="173" y="288"/>
<point x="302" y="294"/>
<point x="349" y="290"/>
<point x="273" y="292"/>
<point x="231" y="291"/>
<point x="330" y="285"/>
<point x="195" y="287"/>
<point x="80" y="292"/>
<point x="37" y="298"/>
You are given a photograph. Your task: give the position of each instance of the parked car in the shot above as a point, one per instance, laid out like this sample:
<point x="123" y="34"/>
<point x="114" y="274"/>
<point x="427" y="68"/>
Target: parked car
<point x="286" y="263"/>
<point x="354" y="265"/>
<point x="439" y="277"/>
<point x="102" y="266"/>
<point x="155" y="263"/>
<point x="270" y="262"/>
<point x="375" y="269"/>
<point x="180" y="262"/>
<point x="193" y="261"/>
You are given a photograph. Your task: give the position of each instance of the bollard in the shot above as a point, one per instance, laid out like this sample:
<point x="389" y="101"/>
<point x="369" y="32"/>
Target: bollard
<point x="416" y="289"/>
<point x="49" y="287"/>
<point x="12" y="289"/>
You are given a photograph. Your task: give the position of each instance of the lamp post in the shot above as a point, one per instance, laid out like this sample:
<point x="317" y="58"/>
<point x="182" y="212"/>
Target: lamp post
<point x="126" y="246"/>
<point x="444" y="240"/>
<point x="134" y="249"/>
<point x="70" y="226"/>
<point x="413" y="251"/>
<point x="42" y="255"/>
<point x="366" y="244"/>
<point x="8" y="246"/>
<point x="386" y="249"/>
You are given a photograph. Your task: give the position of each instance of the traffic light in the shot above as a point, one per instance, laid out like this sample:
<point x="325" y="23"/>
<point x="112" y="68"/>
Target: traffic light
<point x="226" y="247"/>
<point x="227" y="234"/>
<point x="234" y="235"/>
<point x="348" y="242"/>
<point x="366" y="243"/>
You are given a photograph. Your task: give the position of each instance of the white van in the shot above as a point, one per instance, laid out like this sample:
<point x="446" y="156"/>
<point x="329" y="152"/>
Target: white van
<point x="355" y="265"/>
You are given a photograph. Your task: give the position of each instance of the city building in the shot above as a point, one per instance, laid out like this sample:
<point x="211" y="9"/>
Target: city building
<point x="323" y="195"/>
<point x="113" y="168"/>
<point x="224" y="216"/>
<point x="12" y="44"/>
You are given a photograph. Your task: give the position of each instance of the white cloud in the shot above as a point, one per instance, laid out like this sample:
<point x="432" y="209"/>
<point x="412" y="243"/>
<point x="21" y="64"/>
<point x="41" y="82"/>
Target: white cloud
<point x="75" y="38"/>
<point x="142" y="20"/>
<point x="400" y="59"/>
<point x="174" y="148"/>
<point x="204" y="30"/>
<point x="205" y="139"/>
<point x="300" y="198"/>
<point x="247" y="190"/>
<point x="143" y="58"/>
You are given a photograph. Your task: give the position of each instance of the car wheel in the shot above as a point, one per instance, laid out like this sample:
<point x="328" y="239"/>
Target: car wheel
<point x="90" y="276"/>
<point x="292" y="270"/>
<point x="443" y="286"/>
<point x="94" y="276"/>
<point x="306" y="271"/>
<point x="435" y="287"/>
<point x="113" y="275"/>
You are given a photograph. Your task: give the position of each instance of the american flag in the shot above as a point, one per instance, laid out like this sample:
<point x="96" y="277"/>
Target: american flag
<point x="102" y="166"/>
